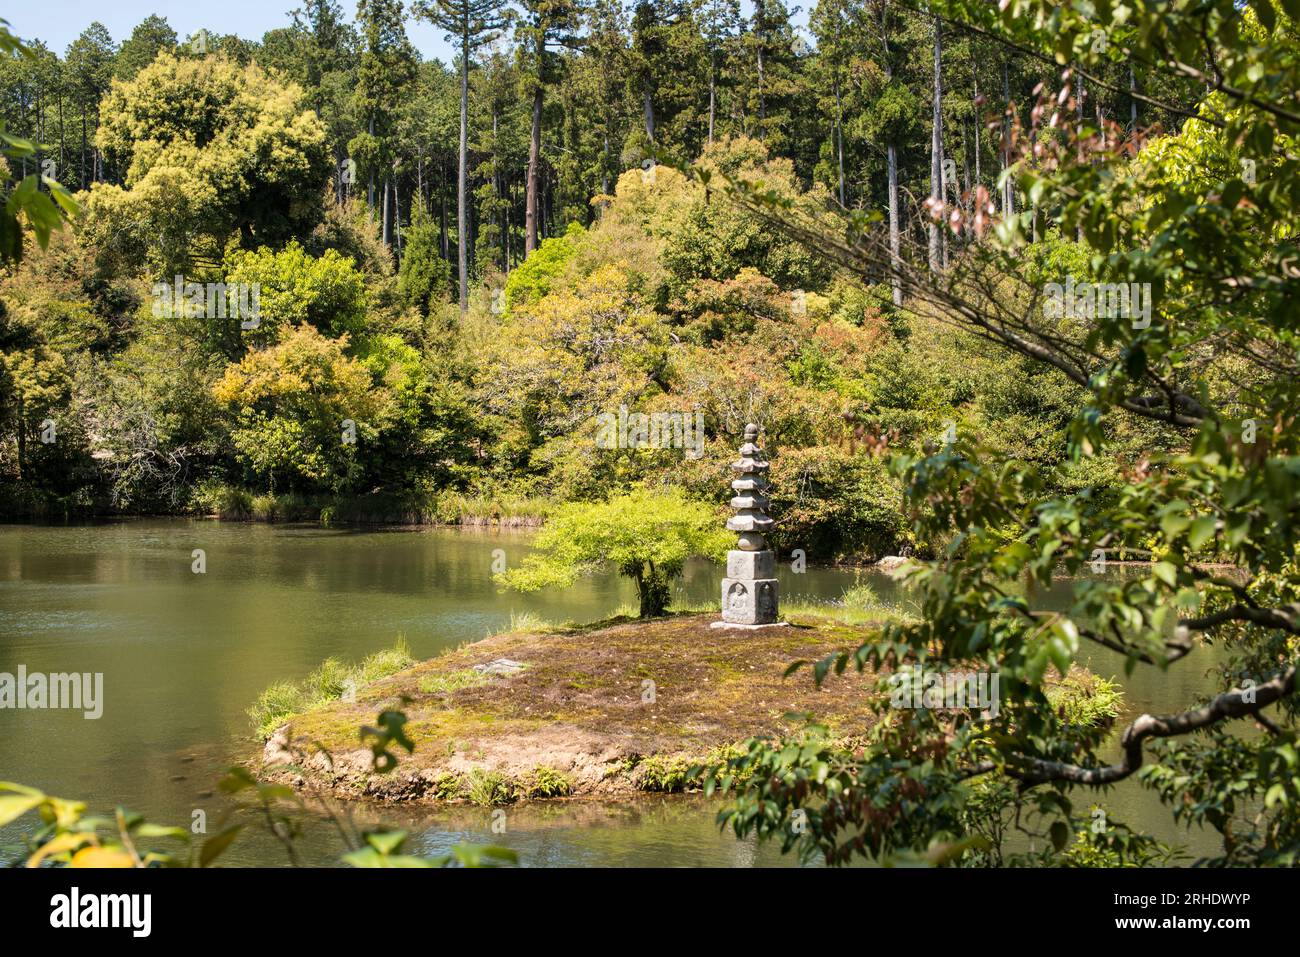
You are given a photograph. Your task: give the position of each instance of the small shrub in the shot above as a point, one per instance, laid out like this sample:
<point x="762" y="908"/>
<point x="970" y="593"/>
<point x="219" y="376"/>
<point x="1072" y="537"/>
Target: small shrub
<point x="446" y="786"/>
<point x="224" y="501"/>
<point x="1085" y="700"/>
<point x="327" y="682"/>
<point x="274" y="706"/>
<point x="667" y="774"/>
<point x="381" y="664"/>
<point x="544" y="782"/>
<point x="487" y="788"/>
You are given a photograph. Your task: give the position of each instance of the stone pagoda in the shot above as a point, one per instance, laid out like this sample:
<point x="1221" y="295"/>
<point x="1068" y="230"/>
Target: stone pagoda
<point x="749" y="590"/>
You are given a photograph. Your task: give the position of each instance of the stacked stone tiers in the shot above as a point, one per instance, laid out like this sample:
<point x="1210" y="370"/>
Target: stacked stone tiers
<point x="749" y="592"/>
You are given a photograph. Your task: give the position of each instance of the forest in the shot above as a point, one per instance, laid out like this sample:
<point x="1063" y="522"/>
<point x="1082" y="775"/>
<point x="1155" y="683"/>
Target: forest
<point x="435" y="297"/>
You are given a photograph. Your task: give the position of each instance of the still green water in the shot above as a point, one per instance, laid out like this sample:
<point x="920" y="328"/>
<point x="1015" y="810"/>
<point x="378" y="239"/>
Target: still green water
<point x="184" y="654"/>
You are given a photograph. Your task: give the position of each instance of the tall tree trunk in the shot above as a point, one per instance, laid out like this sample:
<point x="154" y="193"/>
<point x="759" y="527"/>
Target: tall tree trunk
<point x="1008" y="189"/>
<point x="62" y="137"/>
<point x="839" y="138"/>
<point x="97" y="160"/>
<point x="397" y="212"/>
<point x="442" y="207"/>
<point x="891" y="166"/>
<point x="1078" y="106"/>
<point x="649" y="109"/>
<point x="965" y="194"/>
<point x="894" y="236"/>
<point x="370" y="186"/>
<point x="531" y="197"/>
<point x="713" y="83"/>
<point x="604" y="162"/>
<point x="936" y="156"/>
<point x="1132" y="98"/>
<point x="462" y="178"/>
<point x="22" y="437"/>
<point x="385" y="231"/>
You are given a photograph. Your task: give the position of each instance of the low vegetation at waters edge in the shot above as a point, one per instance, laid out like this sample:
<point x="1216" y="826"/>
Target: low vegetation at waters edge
<point x="330" y="681"/>
<point x="858" y="604"/>
<point x="1083" y="699"/>
<point x="232" y="503"/>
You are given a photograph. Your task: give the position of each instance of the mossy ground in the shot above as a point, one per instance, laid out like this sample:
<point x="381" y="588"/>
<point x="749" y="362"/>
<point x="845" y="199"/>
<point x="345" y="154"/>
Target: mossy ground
<point x="620" y="707"/>
<point x="615" y="707"/>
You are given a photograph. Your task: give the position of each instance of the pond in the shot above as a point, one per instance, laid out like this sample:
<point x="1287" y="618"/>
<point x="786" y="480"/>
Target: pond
<point x="184" y="654"/>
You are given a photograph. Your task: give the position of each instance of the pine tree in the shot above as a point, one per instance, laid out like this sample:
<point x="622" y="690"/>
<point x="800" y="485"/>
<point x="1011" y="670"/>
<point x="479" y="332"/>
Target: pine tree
<point x="544" y="25"/>
<point x="471" y="24"/>
<point x="720" y="22"/>
<point x="386" y="66"/>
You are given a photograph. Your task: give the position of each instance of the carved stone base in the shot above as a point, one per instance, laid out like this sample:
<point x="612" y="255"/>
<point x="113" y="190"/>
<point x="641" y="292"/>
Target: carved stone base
<point x="732" y="624"/>
<point x="750" y="601"/>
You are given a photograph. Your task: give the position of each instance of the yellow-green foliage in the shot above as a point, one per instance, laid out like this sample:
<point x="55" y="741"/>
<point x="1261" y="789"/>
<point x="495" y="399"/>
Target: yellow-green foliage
<point x="260" y="161"/>
<point x="288" y="401"/>
<point x="328" y="682"/>
<point x="446" y="786"/>
<point x="1085" y="700"/>
<point x="544" y="782"/>
<point x="646" y="535"/>
<point x="327" y="292"/>
<point x="487" y="788"/>
<point x="445" y="682"/>
<point x="533" y="278"/>
<point x="668" y="773"/>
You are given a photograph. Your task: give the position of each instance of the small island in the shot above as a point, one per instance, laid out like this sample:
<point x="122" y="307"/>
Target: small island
<point x="610" y="709"/>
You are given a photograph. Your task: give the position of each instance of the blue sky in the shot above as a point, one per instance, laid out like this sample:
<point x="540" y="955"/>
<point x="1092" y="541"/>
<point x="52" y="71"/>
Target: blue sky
<point x="59" y="22"/>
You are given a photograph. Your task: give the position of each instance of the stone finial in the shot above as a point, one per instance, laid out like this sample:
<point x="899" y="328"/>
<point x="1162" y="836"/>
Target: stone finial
<point x="751" y="519"/>
<point x="749" y="592"/>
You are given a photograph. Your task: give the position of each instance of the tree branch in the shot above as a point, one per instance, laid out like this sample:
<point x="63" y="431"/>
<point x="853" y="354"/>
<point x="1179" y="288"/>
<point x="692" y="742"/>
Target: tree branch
<point x="1231" y="704"/>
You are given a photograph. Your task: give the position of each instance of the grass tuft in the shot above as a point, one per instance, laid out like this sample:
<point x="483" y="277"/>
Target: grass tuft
<point x="330" y="681"/>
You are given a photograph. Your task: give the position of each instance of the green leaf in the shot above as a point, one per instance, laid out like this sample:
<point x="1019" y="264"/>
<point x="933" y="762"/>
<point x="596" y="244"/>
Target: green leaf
<point x="484" y="855"/>
<point x="14" y="806"/>
<point x="1173" y="524"/>
<point x="160" y="830"/>
<point x="1264" y="10"/>
<point x="386" y="842"/>
<point x="1202" y="531"/>
<point x="217" y="845"/>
